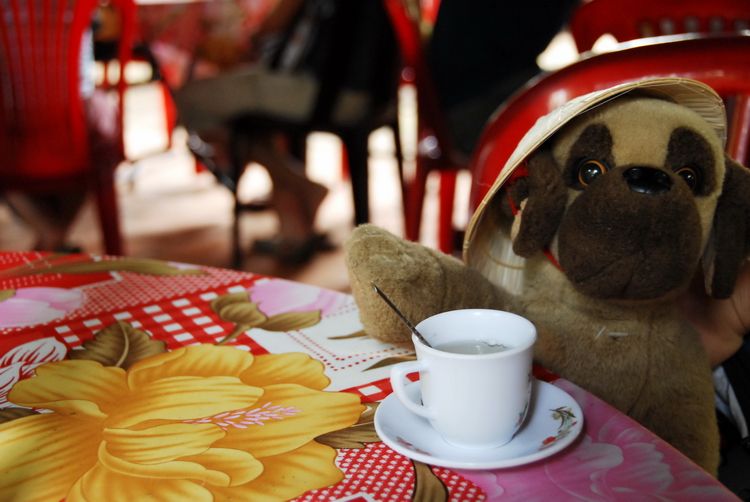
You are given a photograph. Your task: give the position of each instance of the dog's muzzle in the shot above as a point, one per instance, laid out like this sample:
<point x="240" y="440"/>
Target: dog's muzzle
<point x="645" y="250"/>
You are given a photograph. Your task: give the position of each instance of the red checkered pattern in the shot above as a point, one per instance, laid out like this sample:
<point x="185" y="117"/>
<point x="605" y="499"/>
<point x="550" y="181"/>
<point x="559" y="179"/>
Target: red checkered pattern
<point x="376" y="472"/>
<point x="11" y="263"/>
<point x="111" y="291"/>
<point x="378" y="390"/>
<point x="181" y="321"/>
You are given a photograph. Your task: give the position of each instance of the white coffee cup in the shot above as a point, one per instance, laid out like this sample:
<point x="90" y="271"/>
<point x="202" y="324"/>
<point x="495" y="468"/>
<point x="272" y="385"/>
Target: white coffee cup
<point x="472" y="400"/>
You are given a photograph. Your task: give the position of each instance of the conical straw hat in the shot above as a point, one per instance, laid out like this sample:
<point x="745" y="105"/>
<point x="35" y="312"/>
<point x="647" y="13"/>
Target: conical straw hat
<point x="480" y="248"/>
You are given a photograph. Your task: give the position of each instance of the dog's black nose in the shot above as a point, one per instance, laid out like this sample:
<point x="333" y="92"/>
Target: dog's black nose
<point x="647" y="180"/>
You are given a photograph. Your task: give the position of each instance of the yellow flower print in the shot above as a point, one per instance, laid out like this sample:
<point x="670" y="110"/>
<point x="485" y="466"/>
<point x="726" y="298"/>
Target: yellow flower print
<point x="198" y="423"/>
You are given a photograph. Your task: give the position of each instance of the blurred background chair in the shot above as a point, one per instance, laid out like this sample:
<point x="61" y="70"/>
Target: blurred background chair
<point x="633" y="19"/>
<point x="721" y="61"/>
<point x="462" y="65"/>
<point x="58" y="136"/>
<point x="434" y="152"/>
<point x="642" y="20"/>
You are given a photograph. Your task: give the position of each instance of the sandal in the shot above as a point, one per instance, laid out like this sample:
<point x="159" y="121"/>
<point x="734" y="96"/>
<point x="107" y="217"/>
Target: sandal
<point x="292" y="251"/>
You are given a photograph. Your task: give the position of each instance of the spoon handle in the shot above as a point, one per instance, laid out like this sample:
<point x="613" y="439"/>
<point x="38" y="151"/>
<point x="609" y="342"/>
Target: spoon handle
<point x="402" y="316"/>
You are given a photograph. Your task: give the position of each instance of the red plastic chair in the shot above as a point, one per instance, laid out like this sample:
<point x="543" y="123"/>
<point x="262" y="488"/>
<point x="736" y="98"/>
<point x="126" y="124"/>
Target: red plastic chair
<point x="107" y="39"/>
<point x="46" y="135"/>
<point x="721" y="61"/>
<point x="434" y="146"/>
<point x="633" y="19"/>
<point x="642" y="20"/>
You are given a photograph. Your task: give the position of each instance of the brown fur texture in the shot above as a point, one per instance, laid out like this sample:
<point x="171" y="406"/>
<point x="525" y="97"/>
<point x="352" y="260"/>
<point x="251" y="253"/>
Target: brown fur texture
<point x="731" y="237"/>
<point x="628" y="241"/>
<point x="544" y="211"/>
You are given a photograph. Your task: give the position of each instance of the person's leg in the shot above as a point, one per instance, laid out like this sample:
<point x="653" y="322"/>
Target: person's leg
<point x="295" y="198"/>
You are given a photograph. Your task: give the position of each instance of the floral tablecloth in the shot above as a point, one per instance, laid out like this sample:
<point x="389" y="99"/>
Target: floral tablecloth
<point x="130" y="379"/>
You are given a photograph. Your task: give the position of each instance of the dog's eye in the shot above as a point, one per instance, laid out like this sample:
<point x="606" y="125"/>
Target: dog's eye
<point x="691" y="176"/>
<point x="589" y="169"/>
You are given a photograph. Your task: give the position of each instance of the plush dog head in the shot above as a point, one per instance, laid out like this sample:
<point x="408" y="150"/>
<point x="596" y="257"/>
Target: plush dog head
<point x="628" y="197"/>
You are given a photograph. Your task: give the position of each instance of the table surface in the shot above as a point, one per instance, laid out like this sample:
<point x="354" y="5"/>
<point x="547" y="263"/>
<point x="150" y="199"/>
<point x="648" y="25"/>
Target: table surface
<point x="122" y="378"/>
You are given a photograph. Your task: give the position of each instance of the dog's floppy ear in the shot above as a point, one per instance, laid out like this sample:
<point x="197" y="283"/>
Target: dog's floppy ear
<point x="542" y="211"/>
<point x="730" y="240"/>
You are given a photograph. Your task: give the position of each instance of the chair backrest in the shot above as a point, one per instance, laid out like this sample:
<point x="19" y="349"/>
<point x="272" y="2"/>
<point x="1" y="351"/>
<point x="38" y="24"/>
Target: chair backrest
<point x="415" y="70"/>
<point x="631" y="19"/>
<point x="722" y="62"/>
<point x="43" y="53"/>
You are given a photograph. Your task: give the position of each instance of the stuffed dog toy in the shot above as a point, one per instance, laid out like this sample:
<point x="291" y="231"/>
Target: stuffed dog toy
<point x="592" y="233"/>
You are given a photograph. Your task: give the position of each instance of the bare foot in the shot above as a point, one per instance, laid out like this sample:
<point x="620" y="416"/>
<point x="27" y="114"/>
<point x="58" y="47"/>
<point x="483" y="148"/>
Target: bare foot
<point x="296" y="222"/>
<point x="313" y="195"/>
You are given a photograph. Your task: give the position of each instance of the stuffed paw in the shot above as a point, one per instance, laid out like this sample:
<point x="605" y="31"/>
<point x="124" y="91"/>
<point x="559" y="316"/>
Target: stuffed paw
<point x="419" y="280"/>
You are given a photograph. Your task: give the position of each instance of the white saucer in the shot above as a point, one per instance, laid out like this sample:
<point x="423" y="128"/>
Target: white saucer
<point x="554" y="420"/>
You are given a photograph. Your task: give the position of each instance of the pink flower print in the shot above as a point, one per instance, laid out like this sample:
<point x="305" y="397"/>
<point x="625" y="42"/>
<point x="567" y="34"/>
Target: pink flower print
<point x="20" y="362"/>
<point x="650" y="467"/>
<point x="276" y="296"/>
<point x="29" y="306"/>
<point x="616" y="460"/>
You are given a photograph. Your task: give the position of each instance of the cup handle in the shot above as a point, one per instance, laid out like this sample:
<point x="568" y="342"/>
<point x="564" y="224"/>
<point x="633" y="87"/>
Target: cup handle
<point x="398" y="377"/>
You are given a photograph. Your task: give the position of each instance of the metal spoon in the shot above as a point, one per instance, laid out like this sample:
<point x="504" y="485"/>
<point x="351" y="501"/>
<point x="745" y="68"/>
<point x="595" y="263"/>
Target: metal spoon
<point x="402" y="316"/>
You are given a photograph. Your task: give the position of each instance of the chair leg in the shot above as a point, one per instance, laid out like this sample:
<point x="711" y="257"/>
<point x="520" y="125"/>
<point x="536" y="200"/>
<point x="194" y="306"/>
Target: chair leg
<point x="738" y="142"/>
<point x="237" y="255"/>
<point x="236" y="168"/>
<point x="415" y="192"/>
<point x="446" y="237"/>
<point x="344" y="164"/>
<point x="356" y="146"/>
<point x="298" y="145"/>
<point x="399" y="155"/>
<point x="170" y="112"/>
<point x="109" y="218"/>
